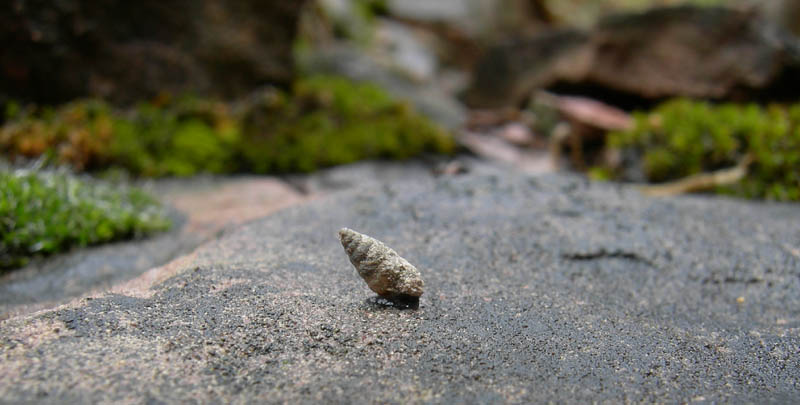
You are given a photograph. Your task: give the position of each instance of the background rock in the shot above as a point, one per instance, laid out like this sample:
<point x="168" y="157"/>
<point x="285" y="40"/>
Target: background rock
<point x="419" y="50"/>
<point x="702" y="52"/>
<point x="537" y="289"/>
<point x="783" y="12"/>
<point x="428" y="98"/>
<point x="128" y="51"/>
<point x="479" y="20"/>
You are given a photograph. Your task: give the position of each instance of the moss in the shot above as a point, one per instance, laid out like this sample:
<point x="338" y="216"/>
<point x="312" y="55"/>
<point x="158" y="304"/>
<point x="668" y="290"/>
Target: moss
<point x="77" y="133"/>
<point x="332" y="121"/>
<point x="182" y="139"/>
<point x="48" y="212"/>
<point x="684" y="137"/>
<point x="600" y="174"/>
<point x="324" y="121"/>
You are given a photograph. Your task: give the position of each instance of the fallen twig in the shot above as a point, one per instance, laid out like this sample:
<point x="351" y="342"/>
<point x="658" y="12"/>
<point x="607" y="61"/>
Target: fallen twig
<point x="700" y="182"/>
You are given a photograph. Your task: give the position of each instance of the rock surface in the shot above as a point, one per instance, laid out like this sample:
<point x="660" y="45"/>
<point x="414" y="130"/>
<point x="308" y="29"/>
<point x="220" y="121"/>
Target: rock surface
<point x="537" y="288"/>
<point x="202" y="209"/>
<point x="475" y="19"/>
<point x="701" y="52"/>
<point x="129" y="51"/>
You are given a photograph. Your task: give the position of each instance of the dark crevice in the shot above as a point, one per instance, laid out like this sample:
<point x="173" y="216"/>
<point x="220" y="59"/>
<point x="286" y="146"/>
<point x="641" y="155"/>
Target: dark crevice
<point x="628" y="101"/>
<point x="732" y="280"/>
<point x="603" y="254"/>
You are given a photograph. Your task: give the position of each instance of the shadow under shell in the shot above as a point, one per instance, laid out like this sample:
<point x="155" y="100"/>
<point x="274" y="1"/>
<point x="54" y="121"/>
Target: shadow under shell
<point x="399" y="301"/>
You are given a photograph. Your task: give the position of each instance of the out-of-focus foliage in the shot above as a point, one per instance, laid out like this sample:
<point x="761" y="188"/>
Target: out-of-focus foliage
<point x="79" y="133"/>
<point x="683" y="137"/>
<point x="178" y="139"/>
<point x="43" y="212"/>
<point x="182" y="138"/>
<point x="325" y="121"/>
<point x="332" y="121"/>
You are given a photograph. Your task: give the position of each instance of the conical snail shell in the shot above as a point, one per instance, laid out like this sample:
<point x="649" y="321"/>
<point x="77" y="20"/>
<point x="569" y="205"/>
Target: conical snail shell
<point x="382" y="268"/>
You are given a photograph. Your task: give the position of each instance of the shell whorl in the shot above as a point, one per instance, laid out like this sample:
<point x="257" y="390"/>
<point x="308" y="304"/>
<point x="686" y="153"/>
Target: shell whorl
<point x="384" y="271"/>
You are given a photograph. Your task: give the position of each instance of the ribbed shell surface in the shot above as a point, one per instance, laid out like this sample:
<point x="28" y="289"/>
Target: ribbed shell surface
<point x="384" y="271"/>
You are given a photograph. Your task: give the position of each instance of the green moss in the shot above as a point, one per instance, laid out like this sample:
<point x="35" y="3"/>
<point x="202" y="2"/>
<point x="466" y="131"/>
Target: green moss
<point x="332" y="121"/>
<point x="600" y="174"/>
<point x="324" y="121"/>
<point x="47" y="212"/>
<point x="683" y="137"/>
<point x="177" y="140"/>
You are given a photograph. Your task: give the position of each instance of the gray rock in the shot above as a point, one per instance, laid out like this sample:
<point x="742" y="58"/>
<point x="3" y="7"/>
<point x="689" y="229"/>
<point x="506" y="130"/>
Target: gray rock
<point x="686" y="51"/>
<point x="782" y="12"/>
<point x="59" y="279"/>
<point x="539" y="289"/>
<point x="403" y="49"/>
<point x="202" y="208"/>
<point x="476" y="19"/>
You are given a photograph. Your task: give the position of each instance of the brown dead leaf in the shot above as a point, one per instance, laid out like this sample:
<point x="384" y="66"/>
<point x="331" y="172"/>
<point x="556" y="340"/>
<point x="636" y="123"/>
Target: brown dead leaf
<point x="495" y="148"/>
<point x="593" y="113"/>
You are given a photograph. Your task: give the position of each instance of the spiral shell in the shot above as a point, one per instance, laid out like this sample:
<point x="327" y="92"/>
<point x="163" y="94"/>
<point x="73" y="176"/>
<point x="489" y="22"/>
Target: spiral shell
<point x="385" y="272"/>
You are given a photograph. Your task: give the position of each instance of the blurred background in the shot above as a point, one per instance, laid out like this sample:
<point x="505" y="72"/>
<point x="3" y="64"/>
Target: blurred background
<point x="97" y="97"/>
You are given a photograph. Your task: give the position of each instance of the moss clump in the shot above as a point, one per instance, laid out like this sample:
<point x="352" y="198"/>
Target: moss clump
<point x="324" y="121"/>
<point x="183" y="138"/>
<point x="77" y="133"/>
<point x="47" y="212"/>
<point x="332" y="121"/>
<point x="683" y="137"/>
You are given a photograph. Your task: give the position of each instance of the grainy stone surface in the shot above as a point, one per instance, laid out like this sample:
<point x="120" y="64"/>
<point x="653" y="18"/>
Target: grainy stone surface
<point x="537" y="289"/>
<point x="203" y="207"/>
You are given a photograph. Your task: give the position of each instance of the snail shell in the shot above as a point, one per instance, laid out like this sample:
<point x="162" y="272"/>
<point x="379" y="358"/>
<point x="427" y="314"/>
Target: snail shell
<point x="385" y="272"/>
